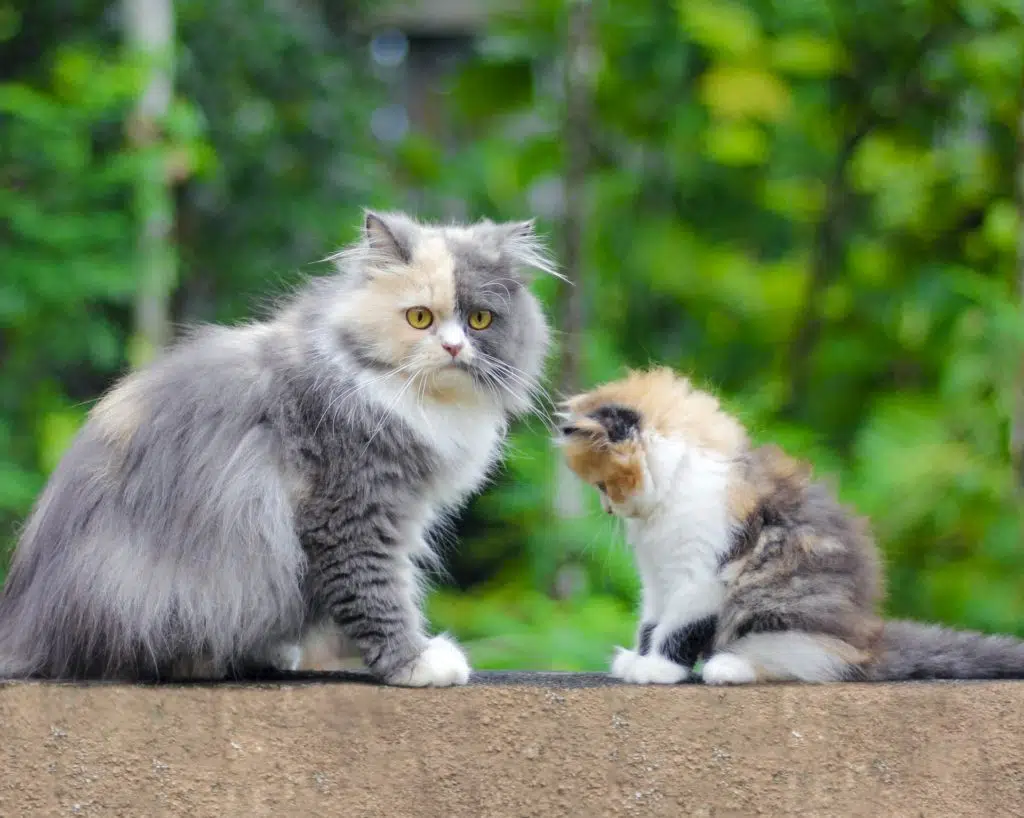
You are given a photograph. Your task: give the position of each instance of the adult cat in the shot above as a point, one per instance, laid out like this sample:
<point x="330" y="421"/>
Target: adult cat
<point x="257" y="482"/>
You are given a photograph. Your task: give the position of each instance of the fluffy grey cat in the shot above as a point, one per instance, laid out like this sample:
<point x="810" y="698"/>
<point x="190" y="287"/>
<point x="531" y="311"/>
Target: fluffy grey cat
<point x="259" y="482"/>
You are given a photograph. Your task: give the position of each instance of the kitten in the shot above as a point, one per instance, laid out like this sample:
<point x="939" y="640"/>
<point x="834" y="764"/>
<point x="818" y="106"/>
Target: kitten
<point x="745" y="560"/>
<point x="260" y="482"/>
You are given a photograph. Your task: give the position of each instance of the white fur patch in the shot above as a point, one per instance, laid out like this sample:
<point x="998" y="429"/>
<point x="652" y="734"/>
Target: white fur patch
<point x="630" y="666"/>
<point x="679" y="540"/>
<point x="729" y="669"/>
<point x="793" y="655"/>
<point x="465" y="435"/>
<point x="441" y="664"/>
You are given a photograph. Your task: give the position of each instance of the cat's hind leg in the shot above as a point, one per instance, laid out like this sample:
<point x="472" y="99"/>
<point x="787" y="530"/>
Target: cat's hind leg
<point x="776" y="656"/>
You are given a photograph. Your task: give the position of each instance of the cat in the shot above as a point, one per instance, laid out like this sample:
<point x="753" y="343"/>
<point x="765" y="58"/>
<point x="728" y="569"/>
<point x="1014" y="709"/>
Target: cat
<point x="746" y="561"/>
<point x="261" y="483"/>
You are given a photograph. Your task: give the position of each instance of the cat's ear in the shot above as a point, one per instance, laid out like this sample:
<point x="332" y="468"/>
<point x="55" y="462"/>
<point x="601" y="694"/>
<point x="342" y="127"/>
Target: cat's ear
<point x="519" y="243"/>
<point x="388" y="235"/>
<point x="611" y="422"/>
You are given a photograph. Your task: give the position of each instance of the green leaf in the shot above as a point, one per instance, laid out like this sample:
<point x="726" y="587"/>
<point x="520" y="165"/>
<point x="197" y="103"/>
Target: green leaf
<point x="736" y="143"/>
<point x="724" y="27"/>
<point x="805" y="54"/>
<point x="733" y="91"/>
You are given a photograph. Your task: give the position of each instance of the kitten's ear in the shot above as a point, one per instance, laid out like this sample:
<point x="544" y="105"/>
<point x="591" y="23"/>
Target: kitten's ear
<point x="584" y="427"/>
<point x="388" y="236"/>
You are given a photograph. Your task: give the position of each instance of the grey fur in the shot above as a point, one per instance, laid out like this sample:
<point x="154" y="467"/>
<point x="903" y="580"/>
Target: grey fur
<point x="911" y="650"/>
<point x="800" y="561"/>
<point x="240" y="490"/>
<point x="803" y="563"/>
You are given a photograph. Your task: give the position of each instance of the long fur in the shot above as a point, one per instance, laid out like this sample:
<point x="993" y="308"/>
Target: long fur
<point x="745" y="559"/>
<point x="261" y="481"/>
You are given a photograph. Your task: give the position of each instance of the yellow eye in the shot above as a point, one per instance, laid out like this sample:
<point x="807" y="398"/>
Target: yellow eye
<point x="481" y="319"/>
<point x="419" y="317"/>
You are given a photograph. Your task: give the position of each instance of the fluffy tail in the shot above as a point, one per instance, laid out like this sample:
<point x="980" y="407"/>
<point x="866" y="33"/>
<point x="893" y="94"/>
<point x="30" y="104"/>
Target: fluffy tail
<point x="910" y="650"/>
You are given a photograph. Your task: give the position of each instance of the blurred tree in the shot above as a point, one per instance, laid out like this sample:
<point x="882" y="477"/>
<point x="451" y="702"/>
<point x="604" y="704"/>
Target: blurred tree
<point x="1017" y="442"/>
<point x="579" y="70"/>
<point x="149" y="32"/>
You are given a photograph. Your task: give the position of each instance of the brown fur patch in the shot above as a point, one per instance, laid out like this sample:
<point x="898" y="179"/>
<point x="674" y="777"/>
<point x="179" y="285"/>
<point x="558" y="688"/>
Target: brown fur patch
<point x="671" y="406"/>
<point x="618" y="466"/>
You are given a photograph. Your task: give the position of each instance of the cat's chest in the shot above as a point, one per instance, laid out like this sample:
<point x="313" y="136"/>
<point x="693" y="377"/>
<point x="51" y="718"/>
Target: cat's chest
<point x="679" y="548"/>
<point x="464" y="441"/>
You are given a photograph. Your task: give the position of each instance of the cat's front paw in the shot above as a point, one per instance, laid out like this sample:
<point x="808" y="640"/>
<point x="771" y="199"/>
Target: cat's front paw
<point x="441" y="664"/>
<point x="638" y="669"/>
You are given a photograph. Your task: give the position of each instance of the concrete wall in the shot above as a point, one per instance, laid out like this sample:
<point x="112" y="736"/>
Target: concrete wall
<point x="531" y="748"/>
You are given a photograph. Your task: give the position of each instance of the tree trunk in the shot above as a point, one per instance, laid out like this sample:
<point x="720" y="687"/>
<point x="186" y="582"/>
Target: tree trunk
<point x="149" y="35"/>
<point x="579" y="68"/>
<point x="1017" y="432"/>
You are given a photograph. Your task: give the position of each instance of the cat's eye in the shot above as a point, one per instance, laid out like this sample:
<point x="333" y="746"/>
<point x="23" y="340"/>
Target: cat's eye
<point x="480" y="319"/>
<point x="601" y="487"/>
<point x="419" y="317"/>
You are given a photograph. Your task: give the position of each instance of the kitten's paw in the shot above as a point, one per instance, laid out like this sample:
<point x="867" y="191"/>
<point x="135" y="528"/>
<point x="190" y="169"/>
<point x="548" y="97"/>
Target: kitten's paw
<point x="729" y="669"/>
<point x="634" y="668"/>
<point x="623" y="663"/>
<point x="441" y="664"/>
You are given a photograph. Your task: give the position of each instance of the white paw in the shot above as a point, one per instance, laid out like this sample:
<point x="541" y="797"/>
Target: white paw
<point x="631" y="667"/>
<point x="728" y="669"/>
<point x="441" y="664"/>
<point x="623" y="663"/>
<point x="287" y="656"/>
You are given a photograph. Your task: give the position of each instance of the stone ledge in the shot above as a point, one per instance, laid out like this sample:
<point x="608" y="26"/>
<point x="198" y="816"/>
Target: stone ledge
<point x="511" y="745"/>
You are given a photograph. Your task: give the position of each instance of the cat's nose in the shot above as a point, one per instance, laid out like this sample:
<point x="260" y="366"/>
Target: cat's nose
<point x="453" y="349"/>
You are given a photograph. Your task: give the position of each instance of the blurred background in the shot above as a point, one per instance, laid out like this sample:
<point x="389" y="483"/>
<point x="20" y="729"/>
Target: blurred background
<point x="812" y="206"/>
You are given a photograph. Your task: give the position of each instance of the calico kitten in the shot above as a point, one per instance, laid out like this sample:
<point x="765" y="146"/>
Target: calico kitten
<point x="259" y="482"/>
<point x="745" y="560"/>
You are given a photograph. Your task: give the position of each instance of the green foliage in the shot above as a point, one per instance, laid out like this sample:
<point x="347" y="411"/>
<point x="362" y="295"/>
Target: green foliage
<point x="806" y="205"/>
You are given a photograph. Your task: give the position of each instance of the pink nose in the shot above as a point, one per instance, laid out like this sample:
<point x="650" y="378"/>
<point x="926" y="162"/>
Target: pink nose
<point x="452" y="349"/>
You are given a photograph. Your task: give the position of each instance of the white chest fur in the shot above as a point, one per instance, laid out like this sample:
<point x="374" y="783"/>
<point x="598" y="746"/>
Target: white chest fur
<point x="465" y="437"/>
<point x="679" y="544"/>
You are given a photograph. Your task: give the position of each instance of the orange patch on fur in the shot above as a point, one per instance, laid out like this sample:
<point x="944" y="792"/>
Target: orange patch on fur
<point x="671" y="406"/>
<point x="618" y="466"/>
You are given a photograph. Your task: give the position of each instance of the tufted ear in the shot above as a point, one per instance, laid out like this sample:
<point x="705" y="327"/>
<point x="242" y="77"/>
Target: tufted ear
<point x="519" y="243"/>
<point x="389" y="235"/>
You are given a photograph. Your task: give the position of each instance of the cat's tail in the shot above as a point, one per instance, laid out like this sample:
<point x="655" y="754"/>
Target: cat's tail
<point x="909" y="650"/>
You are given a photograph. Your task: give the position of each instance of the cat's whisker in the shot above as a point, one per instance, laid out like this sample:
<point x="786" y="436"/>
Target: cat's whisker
<point x="532" y="385"/>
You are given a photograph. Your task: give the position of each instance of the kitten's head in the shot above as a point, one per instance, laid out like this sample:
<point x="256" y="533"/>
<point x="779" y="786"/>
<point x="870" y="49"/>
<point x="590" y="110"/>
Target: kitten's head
<point x="630" y="437"/>
<point x="445" y="306"/>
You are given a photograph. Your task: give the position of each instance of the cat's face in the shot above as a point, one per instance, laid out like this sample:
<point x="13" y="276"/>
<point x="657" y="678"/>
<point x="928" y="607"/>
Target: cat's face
<point x="629" y="438"/>
<point x="447" y="308"/>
